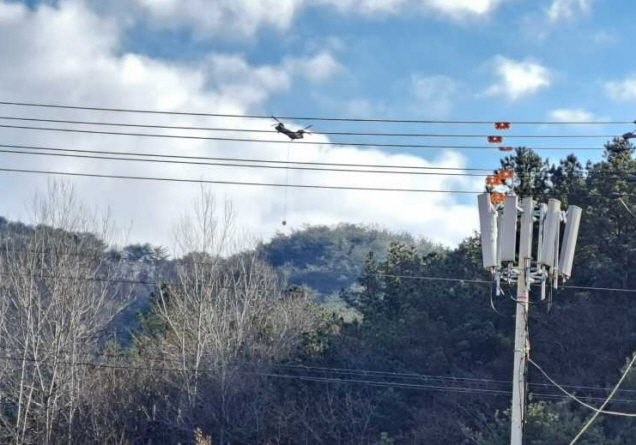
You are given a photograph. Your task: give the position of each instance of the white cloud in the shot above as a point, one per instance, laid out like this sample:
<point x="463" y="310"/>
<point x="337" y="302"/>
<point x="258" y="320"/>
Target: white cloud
<point x="449" y="8"/>
<point x="622" y="90"/>
<point x="236" y="79"/>
<point x="420" y="96"/>
<point x="572" y="115"/>
<point x="67" y="54"/>
<point x="517" y="79"/>
<point x="568" y="9"/>
<point x="362" y="107"/>
<point x="367" y="7"/>
<point x="243" y="18"/>
<point x="435" y="93"/>
<point x="458" y="8"/>
<point x="230" y="18"/>
<point x="318" y="68"/>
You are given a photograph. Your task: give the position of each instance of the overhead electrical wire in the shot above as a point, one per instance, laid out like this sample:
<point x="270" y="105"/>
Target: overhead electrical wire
<point x="252" y="160"/>
<point x="329" y="133"/>
<point x="163" y="281"/>
<point x="241" y="183"/>
<point x="600" y="289"/>
<point x="386" y="375"/>
<point x="627" y="207"/>
<point x="273" y="141"/>
<point x="360" y="275"/>
<point x="346" y="371"/>
<point x="204" y="263"/>
<point x="101" y="365"/>
<point x="379" y="383"/>
<point x="579" y="401"/>
<point x="241" y="162"/>
<point x="416" y="376"/>
<point x="305" y="118"/>
<point x="203" y="370"/>
<point x="280" y="167"/>
<point x="609" y="398"/>
<point x="112" y="156"/>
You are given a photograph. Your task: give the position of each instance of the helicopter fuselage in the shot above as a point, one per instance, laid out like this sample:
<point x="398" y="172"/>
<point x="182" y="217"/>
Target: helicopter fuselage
<point x="290" y="134"/>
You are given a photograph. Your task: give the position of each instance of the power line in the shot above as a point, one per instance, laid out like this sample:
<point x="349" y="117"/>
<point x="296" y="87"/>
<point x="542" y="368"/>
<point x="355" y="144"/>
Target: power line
<point x="577" y="399"/>
<point x="161" y="280"/>
<point x="264" y="161"/>
<point x="356" y="372"/>
<point x="600" y="410"/>
<point x="104" y="280"/>
<point x="240" y="162"/>
<point x="216" y="164"/>
<point x="360" y="275"/>
<point x="101" y="365"/>
<point x="306" y="118"/>
<point x="316" y="369"/>
<point x="603" y="289"/>
<point x="156" y="282"/>
<point x="207" y="263"/>
<point x="417" y="376"/>
<point x="201" y="370"/>
<point x="329" y="133"/>
<point x="271" y="141"/>
<point x="444" y="388"/>
<point x="259" y="184"/>
<point x="175" y="159"/>
<point x="387" y="384"/>
<point x="627" y="207"/>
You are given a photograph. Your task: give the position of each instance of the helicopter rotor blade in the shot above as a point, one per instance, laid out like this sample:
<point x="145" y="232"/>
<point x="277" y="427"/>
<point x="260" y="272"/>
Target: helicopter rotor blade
<point x="308" y="127"/>
<point x="274" y="117"/>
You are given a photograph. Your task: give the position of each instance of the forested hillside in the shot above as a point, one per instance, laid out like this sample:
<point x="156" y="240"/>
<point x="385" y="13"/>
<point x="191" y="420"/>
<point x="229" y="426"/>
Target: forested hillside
<point x="329" y="259"/>
<point x="221" y="346"/>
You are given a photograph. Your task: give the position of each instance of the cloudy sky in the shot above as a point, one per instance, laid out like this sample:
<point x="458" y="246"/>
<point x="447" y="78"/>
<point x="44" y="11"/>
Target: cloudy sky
<point x="492" y="60"/>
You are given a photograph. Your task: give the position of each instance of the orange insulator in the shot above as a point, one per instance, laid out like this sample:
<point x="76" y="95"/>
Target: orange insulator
<point x="492" y="180"/>
<point x="497" y="198"/>
<point x="505" y="174"/>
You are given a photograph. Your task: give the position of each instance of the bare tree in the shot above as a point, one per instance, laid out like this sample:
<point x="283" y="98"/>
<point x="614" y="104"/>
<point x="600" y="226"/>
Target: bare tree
<point x="226" y="316"/>
<point x="57" y="297"/>
<point x="219" y="325"/>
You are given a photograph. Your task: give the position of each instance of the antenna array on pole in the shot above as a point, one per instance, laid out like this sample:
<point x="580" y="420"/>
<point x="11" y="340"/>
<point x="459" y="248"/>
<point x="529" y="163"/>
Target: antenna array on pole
<point x="552" y="261"/>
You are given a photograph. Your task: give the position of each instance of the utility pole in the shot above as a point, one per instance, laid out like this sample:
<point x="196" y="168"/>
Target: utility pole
<point x="499" y="221"/>
<point x="521" y="325"/>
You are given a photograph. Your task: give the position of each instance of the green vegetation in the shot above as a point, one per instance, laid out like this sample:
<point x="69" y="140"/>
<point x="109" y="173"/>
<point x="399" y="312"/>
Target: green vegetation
<point x="223" y="353"/>
<point x="329" y="259"/>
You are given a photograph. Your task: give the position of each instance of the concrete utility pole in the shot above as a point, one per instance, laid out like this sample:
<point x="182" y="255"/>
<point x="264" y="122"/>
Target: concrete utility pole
<point x="521" y="324"/>
<point x="498" y="219"/>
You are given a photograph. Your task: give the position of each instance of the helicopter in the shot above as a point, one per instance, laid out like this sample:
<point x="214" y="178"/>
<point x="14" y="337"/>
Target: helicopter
<point x="293" y="135"/>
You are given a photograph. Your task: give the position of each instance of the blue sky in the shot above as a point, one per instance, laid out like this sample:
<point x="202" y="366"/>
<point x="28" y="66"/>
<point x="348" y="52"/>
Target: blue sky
<point x="417" y="59"/>
<point x="582" y="43"/>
